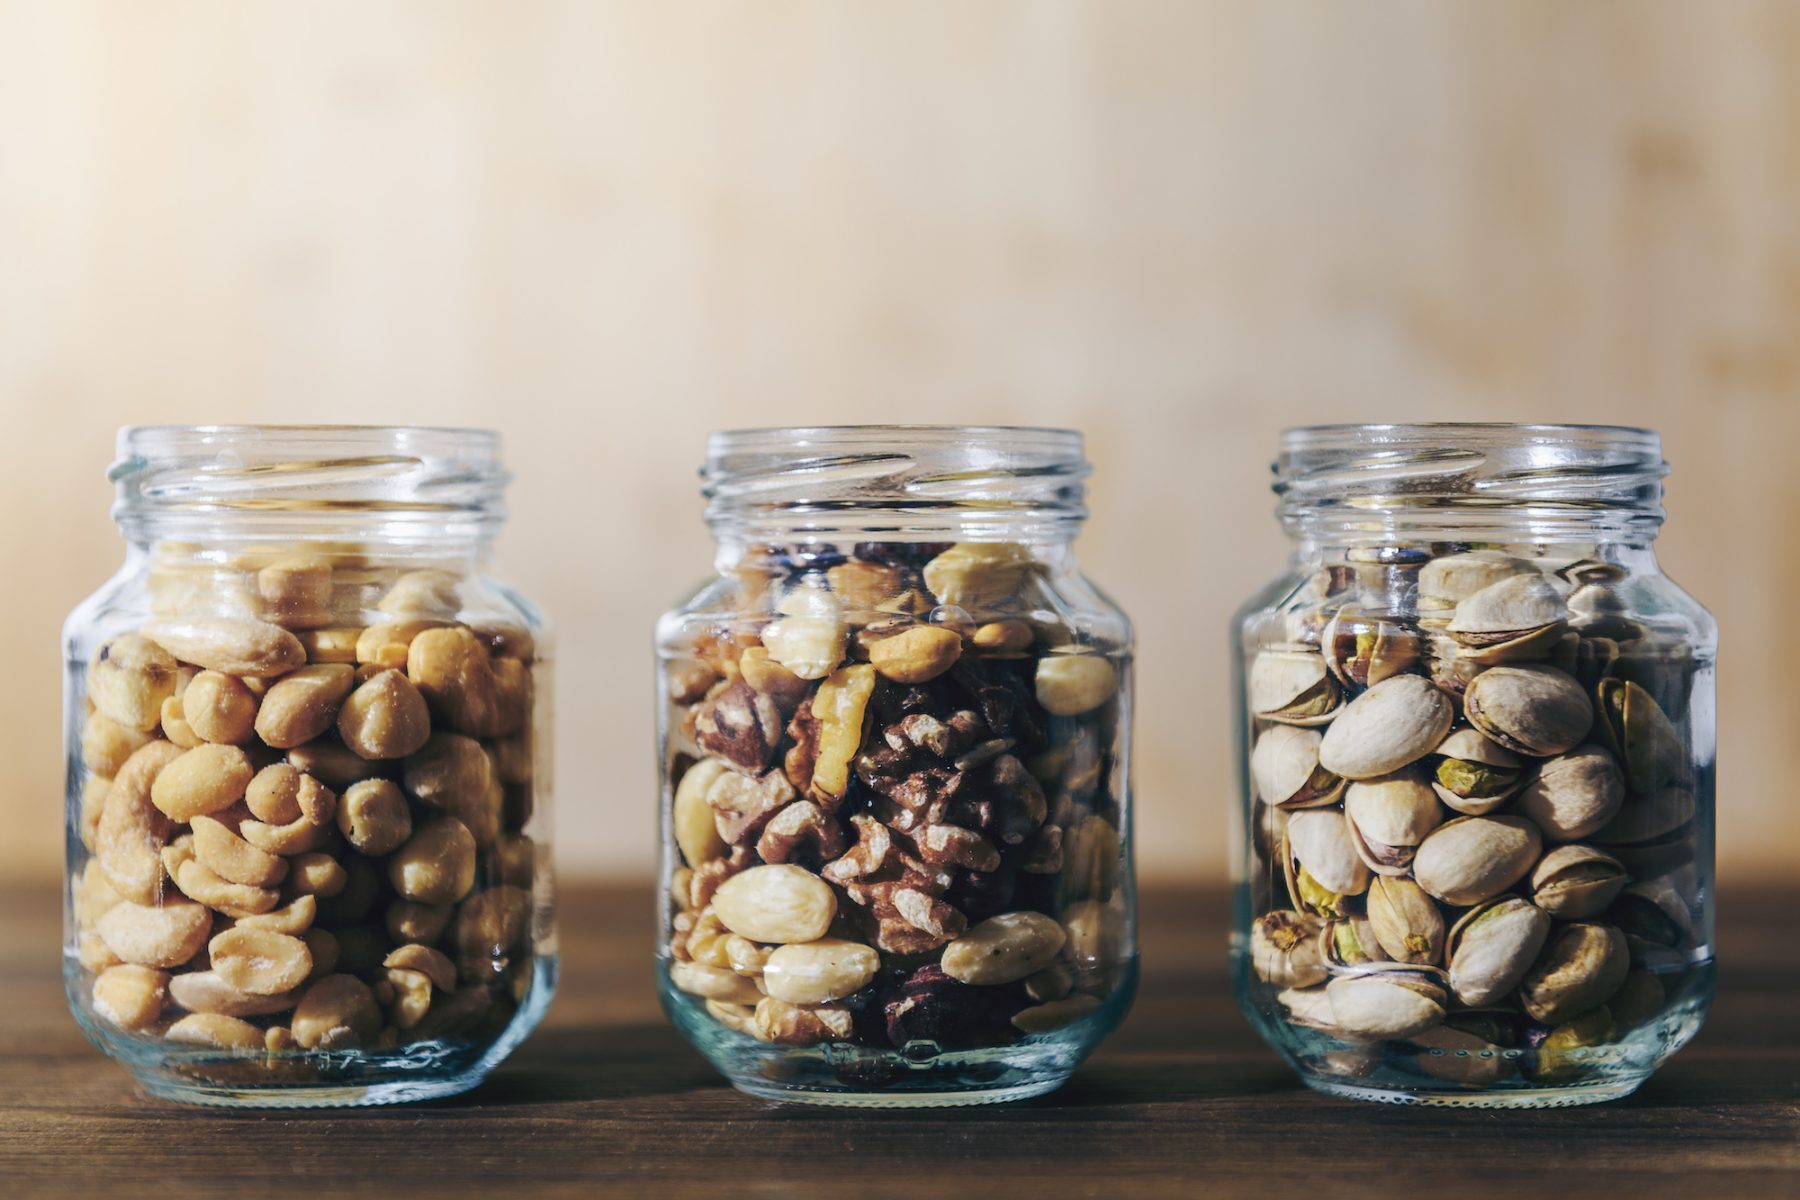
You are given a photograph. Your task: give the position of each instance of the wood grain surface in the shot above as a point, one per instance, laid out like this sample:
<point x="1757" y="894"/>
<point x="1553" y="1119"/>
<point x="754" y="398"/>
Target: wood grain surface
<point x="1183" y="1101"/>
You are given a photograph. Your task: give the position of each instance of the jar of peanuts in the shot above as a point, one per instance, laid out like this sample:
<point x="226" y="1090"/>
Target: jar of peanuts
<point x="894" y="731"/>
<point x="308" y="796"/>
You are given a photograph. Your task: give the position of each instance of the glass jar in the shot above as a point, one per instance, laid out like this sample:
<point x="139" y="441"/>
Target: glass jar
<point x="308" y="784"/>
<point x="894" y="731"/>
<point x="1476" y="758"/>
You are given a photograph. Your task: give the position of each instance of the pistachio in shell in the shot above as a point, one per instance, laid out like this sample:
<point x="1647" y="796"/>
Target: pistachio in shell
<point x="1514" y="618"/>
<point x="1647" y="818"/>
<point x="1350" y="942"/>
<point x="1529" y="709"/>
<point x="1319" y="843"/>
<point x="1405" y="921"/>
<point x="1634" y="727"/>
<point x="1639" y="1001"/>
<point x="1285" y="767"/>
<point x="1572" y="882"/>
<point x="1389" y="816"/>
<point x="1395" y="722"/>
<point x="1311" y="1008"/>
<point x="1492" y="947"/>
<point x="1474" y="774"/>
<point x="1293" y="687"/>
<point x="1285" y="950"/>
<point x="1471" y="859"/>
<point x="1469" y="1048"/>
<point x="1579" y="970"/>
<point x="1362" y="649"/>
<point x="1651" y="916"/>
<point x="1569" y="1049"/>
<point x="1574" y="794"/>
<point x="1388" y="1001"/>
<point x="1453" y="578"/>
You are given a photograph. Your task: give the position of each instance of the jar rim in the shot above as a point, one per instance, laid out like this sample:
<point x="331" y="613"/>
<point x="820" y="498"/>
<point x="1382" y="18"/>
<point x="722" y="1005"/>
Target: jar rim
<point x="412" y="483"/>
<point x="1472" y="480"/>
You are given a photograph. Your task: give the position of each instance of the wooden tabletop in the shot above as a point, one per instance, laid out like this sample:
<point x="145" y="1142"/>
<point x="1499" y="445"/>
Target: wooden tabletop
<point x="1183" y="1101"/>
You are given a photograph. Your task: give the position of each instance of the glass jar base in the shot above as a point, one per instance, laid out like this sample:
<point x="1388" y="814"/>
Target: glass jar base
<point x="764" y="1090"/>
<point x="189" y="1074"/>
<point x="1549" y="1097"/>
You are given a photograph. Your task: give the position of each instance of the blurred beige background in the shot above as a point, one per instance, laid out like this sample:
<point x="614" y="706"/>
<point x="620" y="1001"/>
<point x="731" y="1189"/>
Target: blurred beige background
<point x="606" y="228"/>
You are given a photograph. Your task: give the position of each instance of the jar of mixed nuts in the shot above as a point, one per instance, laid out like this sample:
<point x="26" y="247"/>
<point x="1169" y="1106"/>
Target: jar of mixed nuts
<point x="1477" y="738"/>
<point x="308" y="792"/>
<point x="894" y="732"/>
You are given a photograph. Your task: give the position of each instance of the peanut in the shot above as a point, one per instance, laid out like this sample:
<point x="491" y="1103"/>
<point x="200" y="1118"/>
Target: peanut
<point x="299" y="836"/>
<point x="129" y="679"/>
<point x="776" y="904"/>
<point x="325" y="949"/>
<point x="411" y="996"/>
<point x="302" y="705"/>
<point x="433" y="964"/>
<point x="131" y="996"/>
<point x="199" y="882"/>
<point x="294" y="918"/>
<point x="385" y="718"/>
<point x="219" y="708"/>
<point x="1071" y="684"/>
<point x="217" y="1031"/>
<point x="337" y="1012"/>
<point x="515" y="859"/>
<point x="1004" y="949"/>
<point x="203" y="780"/>
<point x="437" y="864"/>
<point x="916" y="655"/>
<point x="316" y="874"/>
<point x="132" y="829"/>
<point x="819" y="972"/>
<point x="175" y="726"/>
<point x="334" y="764"/>
<point x="410" y="921"/>
<point x="388" y="643"/>
<point x="234" y="645"/>
<point x="281" y="794"/>
<point x="207" y="992"/>
<point x="260" y="961"/>
<point x="490" y="925"/>
<point x="999" y="638"/>
<point x="334" y="645"/>
<point x="423" y="594"/>
<point x="163" y="935"/>
<point x="106" y="744"/>
<point x="296" y="591"/>
<point x="231" y="857"/>
<point x="352" y="902"/>
<point x="453" y="773"/>
<point x="373" y="817"/>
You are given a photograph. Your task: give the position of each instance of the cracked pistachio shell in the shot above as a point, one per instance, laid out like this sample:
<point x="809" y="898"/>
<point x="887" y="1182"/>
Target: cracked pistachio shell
<point x="1493" y="946"/>
<point x="1389" y="817"/>
<point x="1285" y="949"/>
<point x="1396" y="722"/>
<point x="1653" y="916"/>
<point x="1574" y="794"/>
<point x="1566" y="1052"/>
<point x="1350" y="942"/>
<point x="1507" y="610"/>
<point x="1379" y="1003"/>
<point x="1319" y="841"/>
<point x="1581" y="967"/>
<point x="1292" y="687"/>
<point x="1471" y="859"/>
<point x="1285" y="766"/>
<point x="1530" y="709"/>
<point x="1456" y="577"/>
<point x="1635" y="728"/>
<point x="1643" y="819"/>
<point x="1362" y="649"/>
<point x="1475" y="774"/>
<point x="1405" y="921"/>
<point x="1572" y="882"/>
<point x="1309" y="1007"/>
<point x="1472" y="1046"/>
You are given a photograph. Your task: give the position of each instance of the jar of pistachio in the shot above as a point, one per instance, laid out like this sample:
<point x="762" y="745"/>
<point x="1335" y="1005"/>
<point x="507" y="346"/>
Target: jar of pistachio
<point x="894" y="730"/>
<point x="1477" y="738"/>
<point x="308" y="791"/>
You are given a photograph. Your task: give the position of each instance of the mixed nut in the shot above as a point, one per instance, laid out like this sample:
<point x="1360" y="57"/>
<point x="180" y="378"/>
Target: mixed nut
<point x="1477" y="804"/>
<point x="894" y="801"/>
<point x="306" y="788"/>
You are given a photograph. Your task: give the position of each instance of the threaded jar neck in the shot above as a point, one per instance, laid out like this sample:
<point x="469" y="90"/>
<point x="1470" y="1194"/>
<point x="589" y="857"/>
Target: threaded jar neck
<point x="397" y="485"/>
<point x="1361" y="485"/>
<point x="895" y="483"/>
